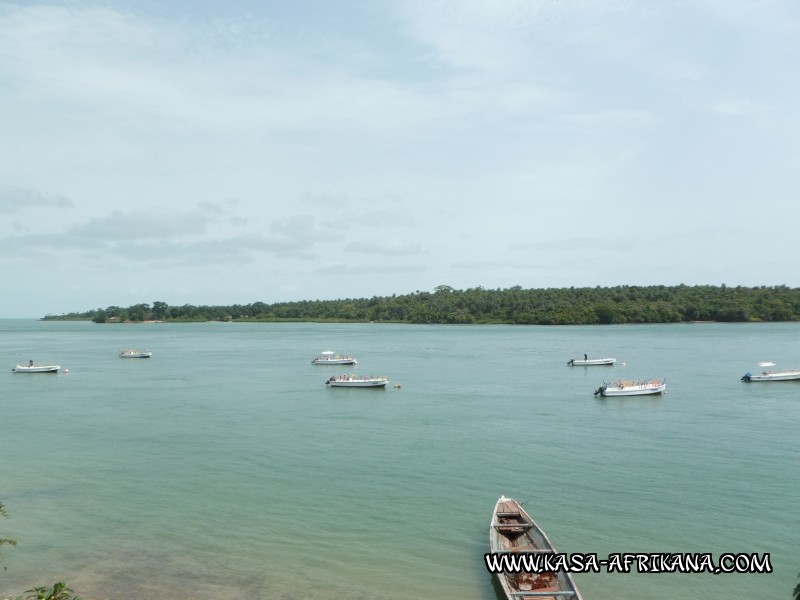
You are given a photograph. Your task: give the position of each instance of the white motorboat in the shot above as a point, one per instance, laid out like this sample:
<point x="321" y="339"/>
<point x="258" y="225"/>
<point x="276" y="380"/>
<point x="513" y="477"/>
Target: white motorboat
<point x="632" y="388"/>
<point x="331" y="358"/>
<point x="32" y="367"/>
<point x="770" y="375"/>
<point x="590" y="362"/>
<point x="133" y="353"/>
<point x="357" y="381"/>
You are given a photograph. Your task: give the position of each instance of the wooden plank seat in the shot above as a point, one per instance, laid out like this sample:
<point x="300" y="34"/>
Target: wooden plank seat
<point x="544" y="594"/>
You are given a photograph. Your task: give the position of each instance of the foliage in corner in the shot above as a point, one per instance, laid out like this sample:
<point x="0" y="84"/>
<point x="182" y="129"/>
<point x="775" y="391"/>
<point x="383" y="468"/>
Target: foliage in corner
<point x="59" y="591"/>
<point x="8" y="541"/>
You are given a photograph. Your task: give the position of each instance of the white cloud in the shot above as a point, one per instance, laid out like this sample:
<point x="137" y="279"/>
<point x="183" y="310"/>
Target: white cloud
<point x="13" y="199"/>
<point x="141" y="224"/>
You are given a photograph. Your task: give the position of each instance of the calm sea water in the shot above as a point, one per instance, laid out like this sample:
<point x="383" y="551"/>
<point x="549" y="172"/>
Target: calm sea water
<point x="224" y="468"/>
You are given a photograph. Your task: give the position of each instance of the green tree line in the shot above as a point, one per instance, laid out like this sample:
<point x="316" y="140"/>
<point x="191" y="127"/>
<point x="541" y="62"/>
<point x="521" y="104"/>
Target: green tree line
<point x="551" y="306"/>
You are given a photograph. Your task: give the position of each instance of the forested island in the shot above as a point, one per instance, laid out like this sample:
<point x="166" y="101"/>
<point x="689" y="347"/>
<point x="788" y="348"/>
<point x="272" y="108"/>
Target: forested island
<point x="446" y="305"/>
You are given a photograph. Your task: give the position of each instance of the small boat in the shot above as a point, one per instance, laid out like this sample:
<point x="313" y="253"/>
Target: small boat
<point x="359" y="381"/>
<point x="331" y="358"/>
<point x="632" y="388"/>
<point x="32" y="367"/>
<point x="512" y="531"/>
<point x="770" y="375"/>
<point x="133" y="353"/>
<point x="590" y="362"/>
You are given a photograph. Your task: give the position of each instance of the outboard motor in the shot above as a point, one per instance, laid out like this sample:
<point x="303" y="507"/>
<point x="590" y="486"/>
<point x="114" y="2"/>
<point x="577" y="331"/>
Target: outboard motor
<point x="329" y="380"/>
<point x="571" y="362"/>
<point x="747" y="376"/>
<point x="598" y="390"/>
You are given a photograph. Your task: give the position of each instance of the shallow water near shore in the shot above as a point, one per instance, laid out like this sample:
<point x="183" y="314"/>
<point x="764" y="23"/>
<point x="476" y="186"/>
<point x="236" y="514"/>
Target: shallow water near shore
<point x="223" y="467"/>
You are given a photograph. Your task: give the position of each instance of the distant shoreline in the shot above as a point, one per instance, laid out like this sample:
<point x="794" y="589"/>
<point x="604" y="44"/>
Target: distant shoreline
<point x="478" y="306"/>
<point x="356" y="322"/>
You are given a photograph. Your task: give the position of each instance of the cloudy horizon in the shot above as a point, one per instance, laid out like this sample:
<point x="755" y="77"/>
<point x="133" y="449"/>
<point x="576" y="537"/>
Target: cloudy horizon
<point x="208" y="154"/>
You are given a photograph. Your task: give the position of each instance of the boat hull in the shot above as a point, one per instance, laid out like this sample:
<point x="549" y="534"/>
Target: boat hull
<point x="36" y="369"/>
<point x="135" y="354"/>
<point x="781" y="376"/>
<point x="632" y="390"/>
<point x="329" y="357"/>
<point x="335" y="361"/>
<point x="513" y="531"/>
<point x="358" y="383"/>
<point x="592" y="362"/>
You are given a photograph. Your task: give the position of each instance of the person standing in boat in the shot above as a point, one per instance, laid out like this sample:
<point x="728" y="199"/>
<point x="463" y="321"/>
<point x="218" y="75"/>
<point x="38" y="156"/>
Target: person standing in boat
<point x="585" y="356"/>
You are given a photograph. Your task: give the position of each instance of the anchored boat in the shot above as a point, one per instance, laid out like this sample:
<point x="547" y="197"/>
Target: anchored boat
<point x="32" y="367"/>
<point x="331" y="358"/>
<point x="770" y="375"/>
<point x="513" y="531"/>
<point x="358" y="381"/>
<point x="133" y="353"/>
<point x="632" y="388"/>
<point x="590" y="362"/>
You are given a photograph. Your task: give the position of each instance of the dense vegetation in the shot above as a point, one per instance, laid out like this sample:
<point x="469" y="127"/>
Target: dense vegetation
<point x="564" y="306"/>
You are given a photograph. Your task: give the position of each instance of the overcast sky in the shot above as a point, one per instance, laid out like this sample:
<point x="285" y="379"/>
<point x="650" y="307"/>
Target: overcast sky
<point x="210" y="152"/>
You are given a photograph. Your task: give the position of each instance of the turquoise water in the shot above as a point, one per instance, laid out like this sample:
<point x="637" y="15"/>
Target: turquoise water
<point x="224" y="468"/>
